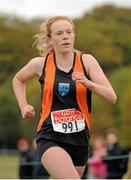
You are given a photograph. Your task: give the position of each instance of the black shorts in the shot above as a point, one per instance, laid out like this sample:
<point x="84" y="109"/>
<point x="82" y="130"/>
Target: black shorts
<point x="78" y="154"/>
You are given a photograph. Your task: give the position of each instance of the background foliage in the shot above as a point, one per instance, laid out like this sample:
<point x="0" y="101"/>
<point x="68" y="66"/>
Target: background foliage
<point x="105" y="33"/>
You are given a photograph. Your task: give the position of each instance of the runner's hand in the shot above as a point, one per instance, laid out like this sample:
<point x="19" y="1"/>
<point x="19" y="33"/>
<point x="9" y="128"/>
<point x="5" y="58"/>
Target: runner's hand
<point x="80" y="78"/>
<point x="28" y="112"/>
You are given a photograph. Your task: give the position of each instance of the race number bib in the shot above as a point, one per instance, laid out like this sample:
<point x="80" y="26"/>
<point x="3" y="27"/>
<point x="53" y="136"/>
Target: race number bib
<point x="67" y="121"/>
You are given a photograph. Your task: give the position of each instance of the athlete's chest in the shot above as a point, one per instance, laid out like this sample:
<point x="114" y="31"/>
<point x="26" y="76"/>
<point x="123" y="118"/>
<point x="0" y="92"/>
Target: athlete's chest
<point x="63" y="83"/>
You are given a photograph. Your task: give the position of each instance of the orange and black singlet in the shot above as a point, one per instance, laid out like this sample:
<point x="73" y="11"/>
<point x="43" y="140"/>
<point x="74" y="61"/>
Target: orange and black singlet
<point x="63" y="98"/>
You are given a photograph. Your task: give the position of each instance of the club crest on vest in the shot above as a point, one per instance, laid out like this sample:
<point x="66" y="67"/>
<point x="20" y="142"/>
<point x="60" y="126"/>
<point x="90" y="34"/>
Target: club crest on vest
<point x="63" y="88"/>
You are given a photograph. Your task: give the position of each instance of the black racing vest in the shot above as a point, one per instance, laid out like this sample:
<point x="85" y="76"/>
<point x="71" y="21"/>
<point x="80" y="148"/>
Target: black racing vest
<point x="63" y="97"/>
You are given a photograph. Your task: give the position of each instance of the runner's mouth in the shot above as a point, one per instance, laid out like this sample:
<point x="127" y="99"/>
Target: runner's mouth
<point x="65" y="44"/>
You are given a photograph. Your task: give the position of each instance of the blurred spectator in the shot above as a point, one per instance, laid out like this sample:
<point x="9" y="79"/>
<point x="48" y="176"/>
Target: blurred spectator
<point x="115" y="167"/>
<point x="25" y="167"/>
<point x="39" y="172"/>
<point x="97" y="167"/>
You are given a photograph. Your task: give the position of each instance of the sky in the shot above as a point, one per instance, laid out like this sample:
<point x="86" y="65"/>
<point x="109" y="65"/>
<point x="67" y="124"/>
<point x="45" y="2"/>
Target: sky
<point x="45" y="8"/>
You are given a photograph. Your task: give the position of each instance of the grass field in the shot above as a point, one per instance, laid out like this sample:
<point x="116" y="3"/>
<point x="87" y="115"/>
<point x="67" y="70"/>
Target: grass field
<point x="9" y="166"/>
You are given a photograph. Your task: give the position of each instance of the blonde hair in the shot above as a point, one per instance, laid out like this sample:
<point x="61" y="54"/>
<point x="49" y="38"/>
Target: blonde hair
<point x="41" y="40"/>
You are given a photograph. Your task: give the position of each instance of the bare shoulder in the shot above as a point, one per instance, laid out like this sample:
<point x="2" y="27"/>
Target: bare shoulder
<point x="89" y="61"/>
<point x="37" y="64"/>
<point x="37" y="61"/>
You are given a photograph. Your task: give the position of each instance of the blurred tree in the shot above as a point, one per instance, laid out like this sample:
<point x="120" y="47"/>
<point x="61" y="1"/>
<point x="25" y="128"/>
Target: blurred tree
<point x="105" y="33"/>
<point x="9" y="117"/>
<point x="125" y="105"/>
<point x="118" y="116"/>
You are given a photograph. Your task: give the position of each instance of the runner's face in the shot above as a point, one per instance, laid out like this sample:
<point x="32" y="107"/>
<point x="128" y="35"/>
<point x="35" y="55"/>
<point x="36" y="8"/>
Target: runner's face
<point x="62" y="36"/>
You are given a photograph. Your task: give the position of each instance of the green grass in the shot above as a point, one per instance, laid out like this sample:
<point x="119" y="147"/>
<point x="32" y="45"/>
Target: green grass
<point x="9" y="166"/>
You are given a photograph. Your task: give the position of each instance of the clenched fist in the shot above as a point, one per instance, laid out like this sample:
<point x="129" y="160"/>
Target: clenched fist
<point x="28" y="112"/>
<point x="79" y="78"/>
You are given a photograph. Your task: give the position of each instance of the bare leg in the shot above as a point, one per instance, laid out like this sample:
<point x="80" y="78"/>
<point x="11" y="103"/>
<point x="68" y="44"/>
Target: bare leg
<point x="59" y="164"/>
<point x="80" y="170"/>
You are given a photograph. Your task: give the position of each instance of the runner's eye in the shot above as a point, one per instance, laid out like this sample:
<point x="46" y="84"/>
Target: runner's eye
<point x="58" y="33"/>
